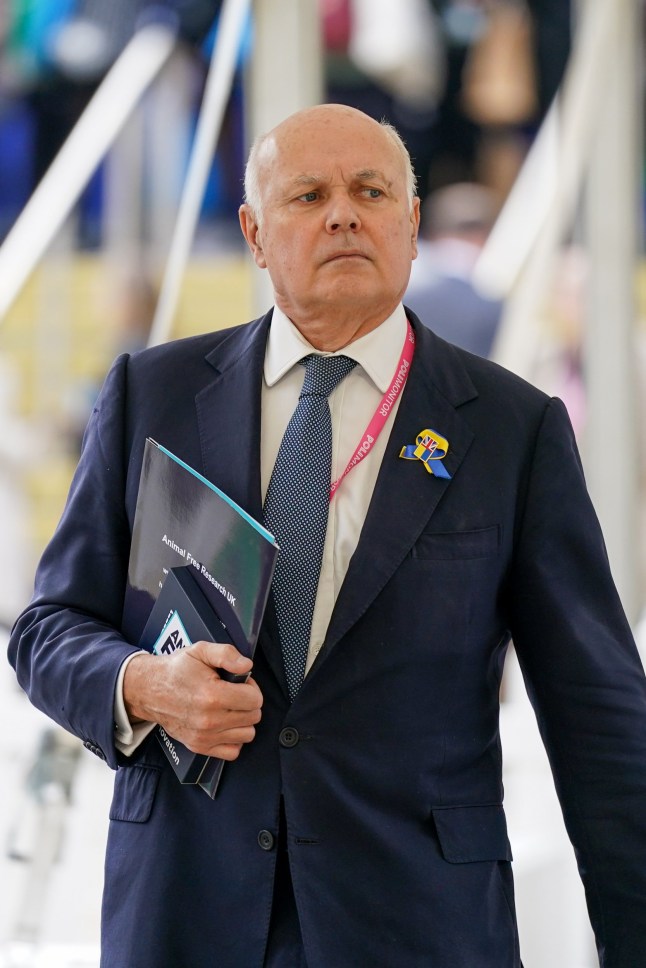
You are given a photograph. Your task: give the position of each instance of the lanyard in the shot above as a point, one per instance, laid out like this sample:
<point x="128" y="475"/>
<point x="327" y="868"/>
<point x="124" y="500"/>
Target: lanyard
<point x="380" y="416"/>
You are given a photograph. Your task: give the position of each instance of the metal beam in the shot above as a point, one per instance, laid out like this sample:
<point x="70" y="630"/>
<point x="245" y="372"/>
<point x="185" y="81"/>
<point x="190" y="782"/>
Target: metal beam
<point x="285" y="75"/>
<point x="69" y="173"/>
<point x="612" y="205"/>
<point x="231" y="27"/>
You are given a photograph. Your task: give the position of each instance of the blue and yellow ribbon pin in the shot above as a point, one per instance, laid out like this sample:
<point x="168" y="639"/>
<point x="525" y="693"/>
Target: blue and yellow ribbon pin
<point x="430" y="447"/>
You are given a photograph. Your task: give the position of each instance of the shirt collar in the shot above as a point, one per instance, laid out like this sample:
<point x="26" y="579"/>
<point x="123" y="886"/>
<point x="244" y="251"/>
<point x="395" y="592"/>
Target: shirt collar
<point x="377" y="352"/>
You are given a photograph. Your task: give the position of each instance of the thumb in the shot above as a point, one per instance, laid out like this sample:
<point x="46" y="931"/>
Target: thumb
<point x="223" y="656"/>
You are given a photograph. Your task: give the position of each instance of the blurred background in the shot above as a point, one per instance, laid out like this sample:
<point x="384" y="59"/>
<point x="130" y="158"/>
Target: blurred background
<point x="123" y="132"/>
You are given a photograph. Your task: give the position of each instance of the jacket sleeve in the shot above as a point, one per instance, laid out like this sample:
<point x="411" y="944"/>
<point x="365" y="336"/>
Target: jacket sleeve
<point x="585" y="681"/>
<point x="65" y="646"/>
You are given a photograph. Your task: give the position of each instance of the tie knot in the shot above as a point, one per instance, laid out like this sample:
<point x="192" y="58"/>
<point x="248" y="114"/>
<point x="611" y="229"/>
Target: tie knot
<point x="324" y="373"/>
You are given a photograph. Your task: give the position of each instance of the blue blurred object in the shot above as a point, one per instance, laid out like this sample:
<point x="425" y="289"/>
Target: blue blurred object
<point x="16" y="160"/>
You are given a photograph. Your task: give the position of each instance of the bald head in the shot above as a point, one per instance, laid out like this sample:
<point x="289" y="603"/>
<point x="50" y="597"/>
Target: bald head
<point x="332" y="215"/>
<point x="266" y="147"/>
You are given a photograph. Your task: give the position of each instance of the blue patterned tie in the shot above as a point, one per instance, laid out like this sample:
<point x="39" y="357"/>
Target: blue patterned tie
<point x="296" y="509"/>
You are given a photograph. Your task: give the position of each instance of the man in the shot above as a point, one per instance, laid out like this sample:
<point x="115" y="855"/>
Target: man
<point x="455" y="223"/>
<point x="360" y="820"/>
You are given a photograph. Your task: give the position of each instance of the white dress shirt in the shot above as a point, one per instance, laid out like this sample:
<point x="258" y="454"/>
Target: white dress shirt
<point x="352" y="405"/>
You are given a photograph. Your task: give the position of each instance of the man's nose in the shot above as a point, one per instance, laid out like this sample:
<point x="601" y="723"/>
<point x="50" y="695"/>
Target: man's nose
<point x="342" y="215"/>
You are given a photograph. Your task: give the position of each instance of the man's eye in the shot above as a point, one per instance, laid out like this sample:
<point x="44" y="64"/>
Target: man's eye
<point x="308" y="197"/>
<point x="372" y="192"/>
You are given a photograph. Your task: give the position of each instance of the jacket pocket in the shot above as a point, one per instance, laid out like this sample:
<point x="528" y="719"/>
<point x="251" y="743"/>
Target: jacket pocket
<point x="443" y="545"/>
<point x="468" y="834"/>
<point x="134" y="793"/>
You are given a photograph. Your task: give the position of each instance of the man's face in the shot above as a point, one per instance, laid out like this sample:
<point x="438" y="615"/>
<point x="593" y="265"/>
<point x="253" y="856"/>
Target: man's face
<point x="337" y="233"/>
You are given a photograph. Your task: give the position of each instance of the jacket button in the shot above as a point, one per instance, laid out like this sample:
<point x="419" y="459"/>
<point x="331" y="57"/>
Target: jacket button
<point x="288" y="737"/>
<point x="266" y="839"/>
<point x="94" y="749"/>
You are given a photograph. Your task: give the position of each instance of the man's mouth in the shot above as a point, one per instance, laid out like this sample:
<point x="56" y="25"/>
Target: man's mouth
<point x="348" y="254"/>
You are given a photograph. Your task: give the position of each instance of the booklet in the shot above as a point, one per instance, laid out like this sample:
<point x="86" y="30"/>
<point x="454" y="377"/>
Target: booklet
<point x="200" y="568"/>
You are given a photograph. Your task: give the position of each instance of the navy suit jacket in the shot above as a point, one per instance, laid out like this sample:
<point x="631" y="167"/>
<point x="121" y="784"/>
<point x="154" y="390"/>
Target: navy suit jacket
<point x="391" y="767"/>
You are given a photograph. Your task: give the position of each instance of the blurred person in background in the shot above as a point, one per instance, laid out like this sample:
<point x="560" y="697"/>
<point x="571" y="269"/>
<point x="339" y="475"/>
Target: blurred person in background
<point x="360" y="819"/>
<point x="466" y="82"/>
<point x="455" y="223"/>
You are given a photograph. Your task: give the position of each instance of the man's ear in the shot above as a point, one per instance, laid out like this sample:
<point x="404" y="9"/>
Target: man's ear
<point x="251" y="232"/>
<point x="414" y="218"/>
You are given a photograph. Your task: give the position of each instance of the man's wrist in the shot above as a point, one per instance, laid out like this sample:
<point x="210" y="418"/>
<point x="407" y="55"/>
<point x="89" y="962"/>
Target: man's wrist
<point x="136" y="687"/>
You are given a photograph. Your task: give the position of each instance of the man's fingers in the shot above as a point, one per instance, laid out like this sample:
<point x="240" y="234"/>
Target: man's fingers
<point x="244" y="697"/>
<point x="228" y="745"/>
<point x="219" y="719"/>
<point x="228" y="752"/>
<point x="225" y="744"/>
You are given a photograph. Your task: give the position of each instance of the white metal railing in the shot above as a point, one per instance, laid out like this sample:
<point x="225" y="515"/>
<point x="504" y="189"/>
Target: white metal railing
<point x="98" y="127"/>
<point x="584" y="167"/>
<point x="81" y="154"/>
<point x="518" y="259"/>
<point x="233" y="20"/>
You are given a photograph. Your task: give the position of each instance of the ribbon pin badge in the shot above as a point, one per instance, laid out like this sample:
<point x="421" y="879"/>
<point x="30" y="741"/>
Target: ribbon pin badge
<point x="429" y="447"/>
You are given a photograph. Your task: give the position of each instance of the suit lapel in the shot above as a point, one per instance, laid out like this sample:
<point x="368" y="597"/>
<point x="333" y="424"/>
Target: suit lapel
<point x="406" y="494"/>
<point x="228" y="414"/>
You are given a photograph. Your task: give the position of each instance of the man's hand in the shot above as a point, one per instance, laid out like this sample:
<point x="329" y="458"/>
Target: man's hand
<point x="184" y="693"/>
